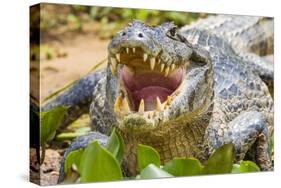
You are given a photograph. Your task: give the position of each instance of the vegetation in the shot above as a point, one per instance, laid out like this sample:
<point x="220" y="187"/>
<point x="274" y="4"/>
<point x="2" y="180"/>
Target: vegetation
<point x="49" y="123"/>
<point x="97" y="163"/>
<point x="58" y="21"/>
<point x="74" y="18"/>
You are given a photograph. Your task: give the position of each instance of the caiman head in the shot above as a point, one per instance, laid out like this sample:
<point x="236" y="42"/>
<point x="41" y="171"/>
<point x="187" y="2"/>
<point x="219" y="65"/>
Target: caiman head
<point x="154" y="76"/>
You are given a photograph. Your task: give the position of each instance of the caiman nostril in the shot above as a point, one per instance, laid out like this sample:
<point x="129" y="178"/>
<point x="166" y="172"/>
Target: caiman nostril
<point x="124" y="33"/>
<point x="140" y="35"/>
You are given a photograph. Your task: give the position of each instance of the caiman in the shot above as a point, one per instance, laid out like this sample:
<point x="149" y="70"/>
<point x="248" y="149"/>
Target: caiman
<point x="185" y="92"/>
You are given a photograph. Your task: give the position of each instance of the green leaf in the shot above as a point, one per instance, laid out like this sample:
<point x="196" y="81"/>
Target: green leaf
<point x="248" y="166"/>
<point x="221" y="161"/>
<point x="73" y="158"/>
<point x="184" y="167"/>
<point x="65" y="87"/>
<point x="49" y="123"/>
<point x="73" y="135"/>
<point x="71" y="177"/>
<point x="116" y="145"/>
<point x="98" y="164"/>
<point x="245" y="166"/>
<point x="235" y="169"/>
<point x="147" y="155"/>
<point x="152" y="171"/>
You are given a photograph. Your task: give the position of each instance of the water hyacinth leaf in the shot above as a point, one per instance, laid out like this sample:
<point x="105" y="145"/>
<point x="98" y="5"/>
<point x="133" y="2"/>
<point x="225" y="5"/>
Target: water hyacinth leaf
<point x="71" y="176"/>
<point x="98" y="164"/>
<point x="235" y="169"/>
<point x="49" y="123"/>
<point x="248" y="166"/>
<point x="73" y="158"/>
<point x="116" y="145"/>
<point x="152" y="171"/>
<point x="147" y="155"/>
<point x="184" y="167"/>
<point x="221" y="161"/>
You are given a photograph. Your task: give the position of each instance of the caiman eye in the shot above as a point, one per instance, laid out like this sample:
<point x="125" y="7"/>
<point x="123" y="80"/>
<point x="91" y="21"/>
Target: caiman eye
<point x="172" y="33"/>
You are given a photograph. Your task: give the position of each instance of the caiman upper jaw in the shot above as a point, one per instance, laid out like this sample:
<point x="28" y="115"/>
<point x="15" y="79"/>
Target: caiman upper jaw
<point x="147" y="84"/>
<point x="115" y="59"/>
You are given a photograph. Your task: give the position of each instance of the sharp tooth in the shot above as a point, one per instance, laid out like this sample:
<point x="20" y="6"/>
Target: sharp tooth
<point x="173" y="66"/>
<point x="134" y="50"/>
<point x="169" y="100"/>
<point x="159" y="60"/>
<point x="127" y="50"/>
<point x="113" y="60"/>
<point x="152" y="63"/>
<point x="166" y="106"/>
<point x="167" y="70"/>
<point x="125" y="106"/>
<point x="162" y="67"/>
<point x="158" y="104"/>
<point x="113" y="70"/>
<point x="113" y="65"/>
<point x="141" y="107"/>
<point x="145" y="57"/>
<point x="118" y="57"/>
<point x="117" y="103"/>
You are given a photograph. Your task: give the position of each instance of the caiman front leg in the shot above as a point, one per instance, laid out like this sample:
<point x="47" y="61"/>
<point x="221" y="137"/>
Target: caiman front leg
<point x="248" y="132"/>
<point x="77" y="98"/>
<point x="102" y="121"/>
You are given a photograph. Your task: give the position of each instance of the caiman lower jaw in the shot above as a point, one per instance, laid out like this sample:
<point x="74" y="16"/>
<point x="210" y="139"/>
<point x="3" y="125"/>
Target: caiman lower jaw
<point x="147" y="87"/>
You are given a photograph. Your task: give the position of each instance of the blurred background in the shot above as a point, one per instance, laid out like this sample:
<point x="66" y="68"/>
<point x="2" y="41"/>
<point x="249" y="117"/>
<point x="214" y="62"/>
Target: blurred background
<point x="74" y="38"/>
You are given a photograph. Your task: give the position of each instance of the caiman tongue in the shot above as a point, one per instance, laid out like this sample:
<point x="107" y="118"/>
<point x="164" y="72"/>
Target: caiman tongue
<point x="148" y="85"/>
<point x="149" y="95"/>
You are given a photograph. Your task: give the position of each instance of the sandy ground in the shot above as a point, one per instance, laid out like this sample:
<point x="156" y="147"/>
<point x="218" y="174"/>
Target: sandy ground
<point x="48" y="172"/>
<point x="83" y="52"/>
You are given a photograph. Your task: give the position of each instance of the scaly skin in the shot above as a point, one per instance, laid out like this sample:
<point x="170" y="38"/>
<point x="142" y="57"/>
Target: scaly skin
<point x="242" y="104"/>
<point x="221" y="98"/>
<point x="250" y="37"/>
<point x="249" y="34"/>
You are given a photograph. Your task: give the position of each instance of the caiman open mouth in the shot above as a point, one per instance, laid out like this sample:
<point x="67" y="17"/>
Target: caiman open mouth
<point x="147" y="85"/>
